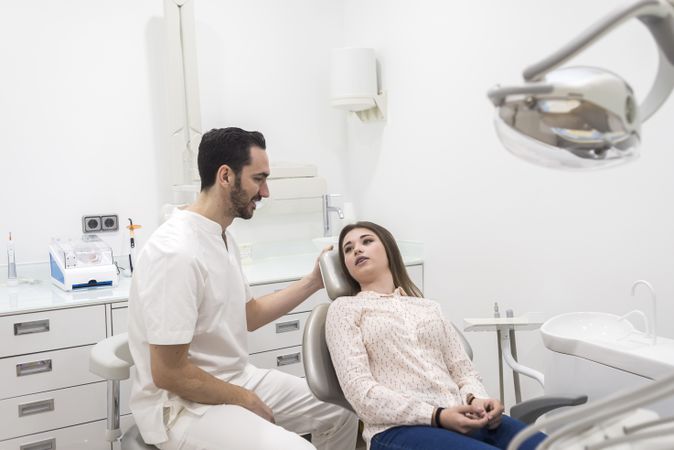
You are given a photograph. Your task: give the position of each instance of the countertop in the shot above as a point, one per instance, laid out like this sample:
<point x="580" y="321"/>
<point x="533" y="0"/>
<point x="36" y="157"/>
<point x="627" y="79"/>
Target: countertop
<point x="268" y="263"/>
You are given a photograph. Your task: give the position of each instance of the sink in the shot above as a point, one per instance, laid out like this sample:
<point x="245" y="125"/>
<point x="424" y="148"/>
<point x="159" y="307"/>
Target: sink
<point x="607" y="339"/>
<point x="588" y="325"/>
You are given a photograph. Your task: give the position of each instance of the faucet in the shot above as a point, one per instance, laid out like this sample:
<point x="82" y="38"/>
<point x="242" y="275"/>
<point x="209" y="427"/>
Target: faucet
<point x="653" y="332"/>
<point x="327" y="209"/>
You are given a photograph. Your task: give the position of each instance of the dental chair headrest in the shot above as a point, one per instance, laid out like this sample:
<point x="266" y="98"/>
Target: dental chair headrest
<point x="335" y="280"/>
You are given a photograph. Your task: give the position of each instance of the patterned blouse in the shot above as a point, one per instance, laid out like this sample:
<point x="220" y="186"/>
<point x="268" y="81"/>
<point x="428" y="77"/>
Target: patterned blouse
<point x="397" y="358"/>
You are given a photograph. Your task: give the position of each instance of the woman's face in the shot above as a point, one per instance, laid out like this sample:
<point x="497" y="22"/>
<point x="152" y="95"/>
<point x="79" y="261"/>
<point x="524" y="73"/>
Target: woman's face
<point x="364" y="255"/>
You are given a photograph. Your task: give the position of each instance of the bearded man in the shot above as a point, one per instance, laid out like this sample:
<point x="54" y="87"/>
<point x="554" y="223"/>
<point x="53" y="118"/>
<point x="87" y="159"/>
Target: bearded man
<point x="190" y="308"/>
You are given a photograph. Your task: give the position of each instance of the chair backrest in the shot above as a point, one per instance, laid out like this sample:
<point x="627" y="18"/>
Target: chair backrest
<point x="318" y="369"/>
<point x="111" y="359"/>
<point x="334" y="279"/>
<point x="337" y="285"/>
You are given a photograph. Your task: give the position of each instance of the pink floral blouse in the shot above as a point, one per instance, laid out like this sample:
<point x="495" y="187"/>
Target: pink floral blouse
<point x="397" y="358"/>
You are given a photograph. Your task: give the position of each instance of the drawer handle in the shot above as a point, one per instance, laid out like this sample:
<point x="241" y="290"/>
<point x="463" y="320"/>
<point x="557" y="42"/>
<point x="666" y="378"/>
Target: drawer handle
<point x="285" y="327"/>
<point x="33" y="367"/>
<point x="286" y="360"/>
<point x="28" y="409"/>
<point x="36" y="326"/>
<point x="47" y="444"/>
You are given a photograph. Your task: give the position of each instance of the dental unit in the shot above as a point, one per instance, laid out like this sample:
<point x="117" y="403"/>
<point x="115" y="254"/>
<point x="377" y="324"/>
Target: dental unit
<point x="580" y="118"/>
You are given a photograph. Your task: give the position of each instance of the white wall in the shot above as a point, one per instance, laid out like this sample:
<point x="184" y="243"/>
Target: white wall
<point x="497" y="228"/>
<point x="76" y="120"/>
<point x="83" y="110"/>
<point x="82" y="131"/>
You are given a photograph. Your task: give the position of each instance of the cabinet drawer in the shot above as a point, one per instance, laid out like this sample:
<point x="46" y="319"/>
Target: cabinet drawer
<point x="37" y="372"/>
<point x="119" y="320"/>
<point x="89" y="436"/>
<point x="310" y="303"/>
<point x="50" y="410"/>
<point x="307" y="305"/>
<point x="285" y="331"/>
<point x="49" y="330"/>
<point x="286" y="360"/>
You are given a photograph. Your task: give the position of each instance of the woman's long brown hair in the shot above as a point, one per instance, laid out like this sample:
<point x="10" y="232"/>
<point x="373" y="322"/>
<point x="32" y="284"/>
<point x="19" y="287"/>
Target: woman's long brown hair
<point x="395" y="259"/>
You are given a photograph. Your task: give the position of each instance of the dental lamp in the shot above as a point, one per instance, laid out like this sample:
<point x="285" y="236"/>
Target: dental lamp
<point x="585" y="117"/>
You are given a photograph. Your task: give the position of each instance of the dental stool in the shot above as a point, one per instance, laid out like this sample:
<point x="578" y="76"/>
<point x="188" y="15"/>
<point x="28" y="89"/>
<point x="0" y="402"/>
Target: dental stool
<point x="111" y="360"/>
<point x="320" y="373"/>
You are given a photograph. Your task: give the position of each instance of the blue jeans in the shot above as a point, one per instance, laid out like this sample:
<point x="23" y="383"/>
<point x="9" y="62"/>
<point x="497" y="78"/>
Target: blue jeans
<point x="429" y="438"/>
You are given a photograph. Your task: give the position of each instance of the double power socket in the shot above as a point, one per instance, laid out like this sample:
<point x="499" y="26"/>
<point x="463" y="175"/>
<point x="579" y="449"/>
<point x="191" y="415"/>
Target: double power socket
<point x="96" y="224"/>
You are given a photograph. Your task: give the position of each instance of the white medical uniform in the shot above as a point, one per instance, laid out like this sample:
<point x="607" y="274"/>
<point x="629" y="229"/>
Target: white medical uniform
<point x="188" y="287"/>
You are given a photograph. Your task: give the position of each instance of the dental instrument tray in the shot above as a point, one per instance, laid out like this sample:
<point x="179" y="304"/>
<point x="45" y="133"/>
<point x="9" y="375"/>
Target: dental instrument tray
<point x="84" y="263"/>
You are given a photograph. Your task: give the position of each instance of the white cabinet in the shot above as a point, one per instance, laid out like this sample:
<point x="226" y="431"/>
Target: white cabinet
<point x="49" y="399"/>
<point x="278" y="345"/>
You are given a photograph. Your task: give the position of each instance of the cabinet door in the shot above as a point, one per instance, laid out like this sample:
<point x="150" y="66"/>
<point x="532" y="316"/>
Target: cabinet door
<point x="50" y="410"/>
<point x="36" y="372"/>
<point x="119" y="320"/>
<point x="286" y="360"/>
<point x="90" y="436"/>
<point x="49" y="330"/>
<point x="285" y="331"/>
<point x="260" y="290"/>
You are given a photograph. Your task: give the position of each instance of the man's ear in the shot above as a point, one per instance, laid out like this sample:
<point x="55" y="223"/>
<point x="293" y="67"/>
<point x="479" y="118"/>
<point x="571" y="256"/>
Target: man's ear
<point x="225" y="175"/>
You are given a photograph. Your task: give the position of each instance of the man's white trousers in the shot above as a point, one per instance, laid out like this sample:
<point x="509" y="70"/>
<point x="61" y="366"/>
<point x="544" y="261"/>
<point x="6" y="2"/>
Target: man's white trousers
<point x="296" y="411"/>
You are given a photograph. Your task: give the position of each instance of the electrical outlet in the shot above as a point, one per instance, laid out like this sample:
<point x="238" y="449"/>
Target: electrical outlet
<point x="95" y="224"/>
<point x="110" y="222"/>
<point x="91" y="224"/>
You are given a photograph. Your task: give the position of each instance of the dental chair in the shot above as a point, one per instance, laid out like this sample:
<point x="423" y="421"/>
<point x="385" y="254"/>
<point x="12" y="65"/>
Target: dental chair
<point x="320" y="373"/>
<point x="111" y="360"/>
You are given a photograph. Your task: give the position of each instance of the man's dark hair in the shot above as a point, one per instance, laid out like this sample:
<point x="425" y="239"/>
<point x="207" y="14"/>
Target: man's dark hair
<point x="230" y="146"/>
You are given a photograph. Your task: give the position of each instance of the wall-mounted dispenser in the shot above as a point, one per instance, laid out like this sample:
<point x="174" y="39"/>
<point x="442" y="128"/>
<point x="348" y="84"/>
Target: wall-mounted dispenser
<point x="354" y="83"/>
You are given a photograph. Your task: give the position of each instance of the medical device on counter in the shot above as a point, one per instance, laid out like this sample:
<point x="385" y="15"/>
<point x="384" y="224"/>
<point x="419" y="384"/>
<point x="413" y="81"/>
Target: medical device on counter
<point x="132" y="243"/>
<point x="12" y="280"/>
<point x="78" y="264"/>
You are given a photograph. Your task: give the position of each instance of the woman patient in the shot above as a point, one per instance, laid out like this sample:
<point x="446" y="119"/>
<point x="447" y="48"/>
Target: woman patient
<point x="399" y="361"/>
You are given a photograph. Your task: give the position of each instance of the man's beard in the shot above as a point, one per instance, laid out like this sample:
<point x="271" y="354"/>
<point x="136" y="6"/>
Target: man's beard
<point x="241" y="202"/>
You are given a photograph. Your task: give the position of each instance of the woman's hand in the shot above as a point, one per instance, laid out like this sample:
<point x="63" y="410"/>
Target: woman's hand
<point x="493" y="409"/>
<point x="463" y="418"/>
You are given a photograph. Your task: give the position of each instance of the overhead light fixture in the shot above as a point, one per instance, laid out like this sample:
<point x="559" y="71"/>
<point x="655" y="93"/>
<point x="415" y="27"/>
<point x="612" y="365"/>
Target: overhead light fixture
<point x="585" y="117"/>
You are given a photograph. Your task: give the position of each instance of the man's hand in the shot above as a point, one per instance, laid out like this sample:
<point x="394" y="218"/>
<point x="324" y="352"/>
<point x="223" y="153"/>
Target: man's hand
<point x="493" y="408"/>
<point x="315" y="276"/>
<point x="463" y="418"/>
<point x="256" y="405"/>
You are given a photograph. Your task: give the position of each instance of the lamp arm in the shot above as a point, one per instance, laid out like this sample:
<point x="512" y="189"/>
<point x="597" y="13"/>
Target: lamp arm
<point x="657" y="15"/>
<point x="639" y="9"/>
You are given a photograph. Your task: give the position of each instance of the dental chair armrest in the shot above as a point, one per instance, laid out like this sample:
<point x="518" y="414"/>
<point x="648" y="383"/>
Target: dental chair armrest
<point x="530" y="410"/>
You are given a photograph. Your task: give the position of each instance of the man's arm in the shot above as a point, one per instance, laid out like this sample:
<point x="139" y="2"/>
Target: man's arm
<point x="173" y="371"/>
<point x="261" y="311"/>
